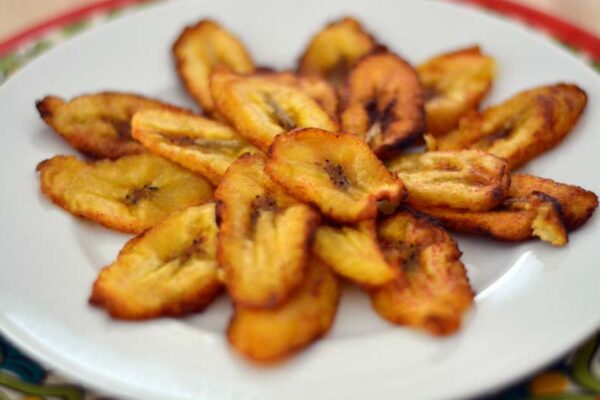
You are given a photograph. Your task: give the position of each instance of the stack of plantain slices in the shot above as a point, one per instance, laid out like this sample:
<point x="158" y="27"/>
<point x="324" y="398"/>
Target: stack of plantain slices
<point x="290" y="181"/>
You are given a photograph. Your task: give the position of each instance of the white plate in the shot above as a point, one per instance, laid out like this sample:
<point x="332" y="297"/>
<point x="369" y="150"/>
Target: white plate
<point x="534" y="302"/>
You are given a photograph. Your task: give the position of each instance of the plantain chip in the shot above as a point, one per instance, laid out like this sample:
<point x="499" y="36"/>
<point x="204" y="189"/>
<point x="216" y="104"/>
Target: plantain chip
<point x="130" y="194"/>
<point x="268" y="335"/>
<point x="337" y="173"/>
<point x="334" y="50"/>
<point x="577" y="204"/>
<point x="433" y="291"/>
<point x="198" y="144"/>
<point x="521" y="128"/>
<point x="517" y="219"/>
<point x="454" y="84"/>
<point x="203" y="48"/>
<point x="384" y="103"/>
<point x="352" y="251"/>
<point x="314" y="87"/>
<point x="98" y="124"/>
<point x="169" y="270"/>
<point x="467" y="179"/>
<point x="264" y="236"/>
<point x="260" y="108"/>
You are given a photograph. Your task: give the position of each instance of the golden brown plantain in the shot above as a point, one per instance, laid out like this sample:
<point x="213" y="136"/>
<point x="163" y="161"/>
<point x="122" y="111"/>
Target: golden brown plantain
<point x="466" y="179"/>
<point x="265" y="235"/>
<point x="260" y="108"/>
<point x="198" y="144"/>
<point x="268" y="335"/>
<point x="454" y="84"/>
<point x="433" y="291"/>
<point x="314" y="87"/>
<point x="334" y="50"/>
<point x="577" y="204"/>
<point x="130" y="194"/>
<point x="98" y="124"/>
<point x="169" y="270"/>
<point x="353" y="252"/>
<point x="203" y="48"/>
<point x="517" y="219"/>
<point x="522" y="127"/>
<point x="384" y="103"/>
<point x="337" y="173"/>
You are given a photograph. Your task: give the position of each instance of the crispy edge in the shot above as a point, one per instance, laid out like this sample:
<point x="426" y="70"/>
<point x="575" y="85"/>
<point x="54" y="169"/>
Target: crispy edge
<point x="439" y="128"/>
<point x="183" y="37"/>
<point x="224" y="229"/>
<point x="112" y="149"/>
<point x="194" y="303"/>
<point x="356" y="25"/>
<point x="492" y="196"/>
<point x="435" y="325"/>
<point x="97" y="217"/>
<point x="291" y="350"/>
<point x="577" y="204"/>
<point x="370" y="209"/>
<point x="390" y="144"/>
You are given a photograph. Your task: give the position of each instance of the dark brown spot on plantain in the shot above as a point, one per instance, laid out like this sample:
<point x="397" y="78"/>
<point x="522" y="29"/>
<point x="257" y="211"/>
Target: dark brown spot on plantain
<point x="261" y="204"/>
<point x="136" y="195"/>
<point x="337" y="175"/>
<point x="279" y="115"/>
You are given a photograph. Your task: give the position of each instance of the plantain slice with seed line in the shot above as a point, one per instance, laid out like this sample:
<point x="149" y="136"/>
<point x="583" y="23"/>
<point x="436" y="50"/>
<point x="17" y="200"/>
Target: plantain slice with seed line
<point x="337" y="173"/>
<point x="260" y="108"/>
<point x="268" y="335"/>
<point x="198" y="144"/>
<point x="384" y="103"/>
<point x="577" y="204"/>
<point x="432" y="293"/>
<point x="466" y="179"/>
<point x="99" y="124"/>
<point x="332" y="52"/>
<point x="352" y="251"/>
<point x="314" y="87"/>
<point x="169" y="270"/>
<point x="201" y="49"/>
<point x="265" y="235"/>
<point x="130" y="194"/>
<point x="522" y="127"/>
<point x="517" y="219"/>
<point x="454" y="84"/>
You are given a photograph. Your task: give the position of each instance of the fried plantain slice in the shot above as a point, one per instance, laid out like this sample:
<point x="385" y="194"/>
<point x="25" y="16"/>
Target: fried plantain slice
<point x="202" y="48"/>
<point x="353" y="252"/>
<point x="333" y="51"/>
<point x="314" y="87"/>
<point x="521" y="128"/>
<point x="265" y="235"/>
<point x="577" y="204"/>
<point x="198" y="144"/>
<point x="97" y="124"/>
<point x="384" y="103"/>
<point x="454" y="84"/>
<point x="517" y="219"/>
<point x="260" y="108"/>
<point x="337" y="173"/>
<point x="433" y="291"/>
<point x="169" y="270"/>
<point x="130" y="194"/>
<point x="268" y="335"/>
<point x="467" y="179"/>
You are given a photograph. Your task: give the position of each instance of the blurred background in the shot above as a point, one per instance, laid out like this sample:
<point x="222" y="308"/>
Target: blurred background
<point x="17" y="15"/>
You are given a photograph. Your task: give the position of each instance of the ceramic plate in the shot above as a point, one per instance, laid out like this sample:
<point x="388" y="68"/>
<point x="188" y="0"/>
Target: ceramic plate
<point x="534" y="302"/>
